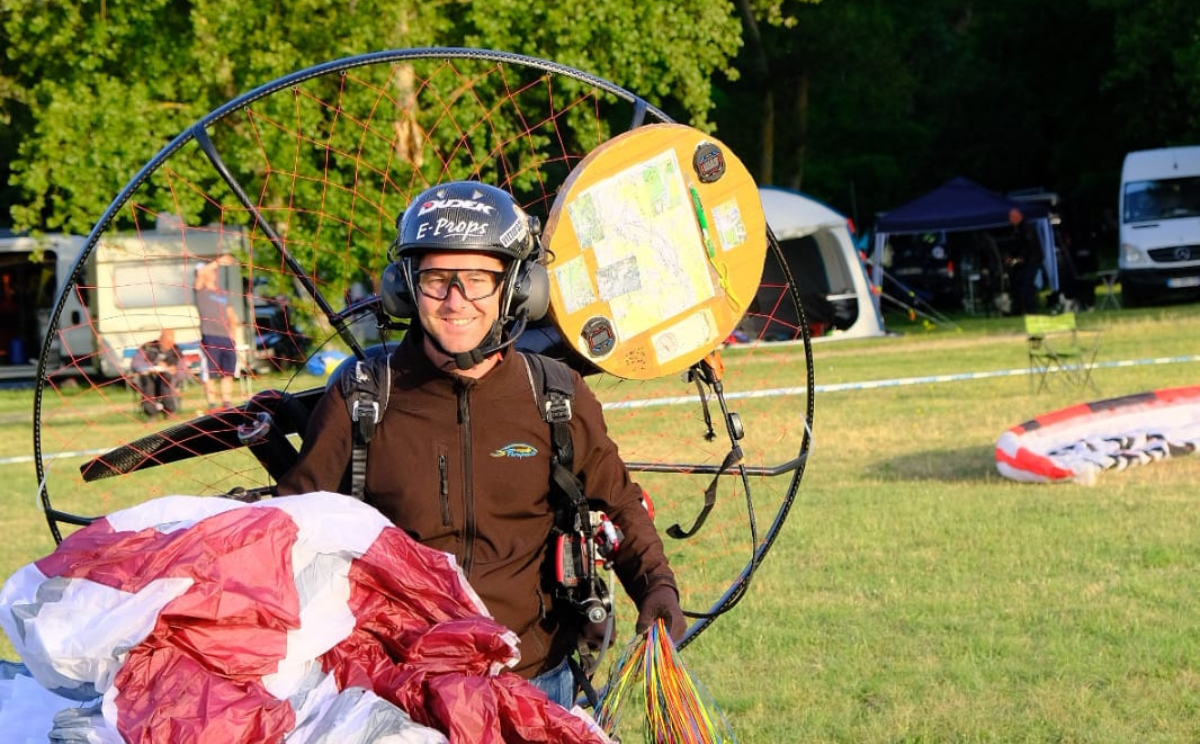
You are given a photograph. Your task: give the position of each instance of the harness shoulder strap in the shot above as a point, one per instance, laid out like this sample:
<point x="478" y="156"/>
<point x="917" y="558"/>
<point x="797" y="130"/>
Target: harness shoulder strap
<point x="554" y="388"/>
<point x="366" y="388"/>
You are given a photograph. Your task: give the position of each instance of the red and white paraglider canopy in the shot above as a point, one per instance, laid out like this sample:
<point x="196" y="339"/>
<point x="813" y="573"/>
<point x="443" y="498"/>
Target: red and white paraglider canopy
<point x="1079" y="442"/>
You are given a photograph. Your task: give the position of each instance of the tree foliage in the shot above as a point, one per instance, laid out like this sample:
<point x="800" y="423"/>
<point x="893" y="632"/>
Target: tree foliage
<point x="862" y="103"/>
<point x="876" y="102"/>
<point x="104" y="85"/>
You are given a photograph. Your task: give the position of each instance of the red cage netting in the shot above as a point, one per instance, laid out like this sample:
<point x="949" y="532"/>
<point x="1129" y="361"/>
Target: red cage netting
<point x="293" y="191"/>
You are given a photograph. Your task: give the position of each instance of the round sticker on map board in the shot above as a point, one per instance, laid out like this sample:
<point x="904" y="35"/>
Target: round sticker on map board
<point x="658" y="240"/>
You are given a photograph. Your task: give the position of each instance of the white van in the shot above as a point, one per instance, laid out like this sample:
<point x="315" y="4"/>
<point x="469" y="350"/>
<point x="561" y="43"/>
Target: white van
<point x="1160" y="225"/>
<point x="30" y="278"/>
<point x="132" y="288"/>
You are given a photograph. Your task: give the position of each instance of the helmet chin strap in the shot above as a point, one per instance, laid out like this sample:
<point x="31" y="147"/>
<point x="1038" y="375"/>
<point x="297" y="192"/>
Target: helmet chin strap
<point x="495" y="341"/>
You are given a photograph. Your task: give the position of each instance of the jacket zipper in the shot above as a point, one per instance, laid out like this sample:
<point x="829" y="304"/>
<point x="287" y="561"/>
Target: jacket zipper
<point x="469" y="527"/>
<point x="444" y="490"/>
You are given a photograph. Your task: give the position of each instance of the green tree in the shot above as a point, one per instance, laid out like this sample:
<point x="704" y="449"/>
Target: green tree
<point x="103" y="86"/>
<point x="866" y="104"/>
<point x="1155" y="71"/>
<point x="108" y="84"/>
<point x="837" y="87"/>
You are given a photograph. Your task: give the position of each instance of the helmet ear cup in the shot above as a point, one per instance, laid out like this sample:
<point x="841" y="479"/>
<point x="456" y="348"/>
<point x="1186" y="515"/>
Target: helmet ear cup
<point x="395" y="293"/>
<point x="531" y="291"/>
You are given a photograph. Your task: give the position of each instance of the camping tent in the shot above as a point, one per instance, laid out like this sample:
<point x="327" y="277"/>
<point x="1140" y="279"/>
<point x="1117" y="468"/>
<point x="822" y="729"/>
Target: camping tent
<point x="958" y="205"/>
<point x="821" y="257"/>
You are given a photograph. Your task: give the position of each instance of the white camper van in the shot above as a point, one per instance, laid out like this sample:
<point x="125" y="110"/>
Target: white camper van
<point x="29" y="282"/>
<point x="1160" y="225"/>
<point x="131" y="288"/>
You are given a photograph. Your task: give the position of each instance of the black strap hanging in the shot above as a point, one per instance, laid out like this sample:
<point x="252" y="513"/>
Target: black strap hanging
<point x="710" y="497"/>
<point x="366" y="388"/>
<point x="708" y="372"/>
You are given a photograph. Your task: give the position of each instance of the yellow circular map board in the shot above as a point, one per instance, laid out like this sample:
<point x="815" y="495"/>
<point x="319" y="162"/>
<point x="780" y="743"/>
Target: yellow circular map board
<point x="657" y="243"/>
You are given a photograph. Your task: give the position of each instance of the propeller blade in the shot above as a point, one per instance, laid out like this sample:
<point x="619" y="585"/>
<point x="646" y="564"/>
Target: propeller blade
<point x="206" y="435"/>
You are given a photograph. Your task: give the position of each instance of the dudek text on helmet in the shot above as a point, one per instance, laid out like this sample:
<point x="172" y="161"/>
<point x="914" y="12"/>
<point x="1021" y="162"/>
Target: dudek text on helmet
<point x="474" y="206"/>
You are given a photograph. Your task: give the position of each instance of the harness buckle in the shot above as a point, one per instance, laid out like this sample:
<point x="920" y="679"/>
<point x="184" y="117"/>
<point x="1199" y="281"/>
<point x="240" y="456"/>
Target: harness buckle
<point x="558" y="409"/>
<point x="374" y="409"/>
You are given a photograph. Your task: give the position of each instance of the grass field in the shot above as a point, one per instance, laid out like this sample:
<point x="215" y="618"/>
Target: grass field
<point x="917" y="596"/>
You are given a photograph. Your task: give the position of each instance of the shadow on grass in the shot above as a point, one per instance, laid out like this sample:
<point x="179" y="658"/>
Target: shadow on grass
<point x="975" y="465"/>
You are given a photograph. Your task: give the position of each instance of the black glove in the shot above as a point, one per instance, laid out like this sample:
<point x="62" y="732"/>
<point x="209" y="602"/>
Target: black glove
<point x="662" y="601"/>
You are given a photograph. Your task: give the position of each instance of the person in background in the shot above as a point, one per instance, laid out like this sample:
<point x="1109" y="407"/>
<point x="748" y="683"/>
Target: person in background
<point x="219" y="327"/>
<point x="1024" y="264"/>
<point x="156" y="375"/>
<point x="461" y="456"/>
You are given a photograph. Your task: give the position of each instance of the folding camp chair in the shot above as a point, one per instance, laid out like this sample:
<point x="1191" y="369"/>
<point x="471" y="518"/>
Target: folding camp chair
<point x="1057" y="345"/>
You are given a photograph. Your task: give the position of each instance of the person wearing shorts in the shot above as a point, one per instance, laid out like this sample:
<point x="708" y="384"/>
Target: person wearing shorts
<point x="218" y="327"/>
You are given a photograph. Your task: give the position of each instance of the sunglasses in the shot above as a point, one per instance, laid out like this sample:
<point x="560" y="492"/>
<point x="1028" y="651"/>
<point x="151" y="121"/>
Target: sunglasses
<point x="473" y="284"/>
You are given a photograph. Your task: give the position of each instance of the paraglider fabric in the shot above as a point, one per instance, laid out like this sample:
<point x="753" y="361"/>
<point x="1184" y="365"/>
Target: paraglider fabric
<point x="1079" y="442"/>
<point x="301" y="619"/>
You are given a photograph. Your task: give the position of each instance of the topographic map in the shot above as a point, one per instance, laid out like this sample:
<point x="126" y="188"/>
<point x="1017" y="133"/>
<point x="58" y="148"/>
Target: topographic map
<point x="641" y="227"/>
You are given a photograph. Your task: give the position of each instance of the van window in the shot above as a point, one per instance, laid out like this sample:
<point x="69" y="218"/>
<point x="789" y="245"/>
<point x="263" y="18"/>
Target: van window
<point x="149" y="285"/>
<point x="1163" y="199"/>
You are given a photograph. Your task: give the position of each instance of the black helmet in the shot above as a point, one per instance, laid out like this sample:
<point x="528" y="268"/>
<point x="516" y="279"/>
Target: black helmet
<point x="465" y="216"/>
<point x="473" y="217"/>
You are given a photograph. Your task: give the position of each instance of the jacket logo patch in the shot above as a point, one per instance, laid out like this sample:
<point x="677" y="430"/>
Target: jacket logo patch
<point x="516" y="449"/>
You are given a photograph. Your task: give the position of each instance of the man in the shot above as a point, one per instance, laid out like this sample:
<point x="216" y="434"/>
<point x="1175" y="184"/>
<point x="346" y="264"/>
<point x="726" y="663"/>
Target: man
<point x="461" y="456"/>
<point x="219" y="327"/>
<point x="1025" y="264"/>
<point x="156" y="372"/>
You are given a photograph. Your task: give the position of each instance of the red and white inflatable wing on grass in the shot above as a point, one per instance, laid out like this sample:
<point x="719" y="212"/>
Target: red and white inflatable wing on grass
<point x="1079" y="442"/>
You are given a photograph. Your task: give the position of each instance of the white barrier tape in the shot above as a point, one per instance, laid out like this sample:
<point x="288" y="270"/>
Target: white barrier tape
<point x="896" y="382"/>
<point x="778" y="392"/>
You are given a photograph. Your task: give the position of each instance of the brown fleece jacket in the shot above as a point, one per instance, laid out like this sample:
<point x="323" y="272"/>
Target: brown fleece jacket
<point x="464" y="466"/>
